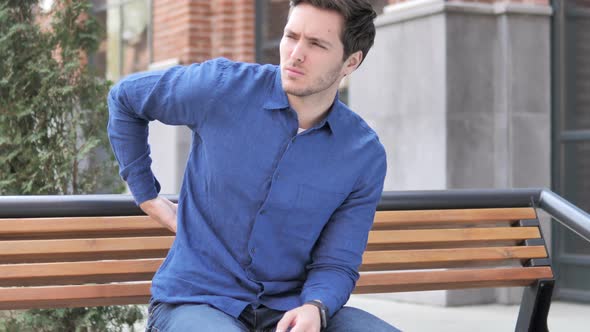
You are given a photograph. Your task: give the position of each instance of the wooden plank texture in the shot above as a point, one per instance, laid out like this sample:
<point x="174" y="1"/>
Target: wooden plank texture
<point x="422" y="258"/>
<point x="392" y="219"/>
<point x="73" y="273"/>
<point x="89" y="261"/>
<point x="38" y="228"/>
<point x="450" y="279"/>
<point x="91" y="295"/>
<point x="437" y="236"/>
<point x="70" y="249"/>
<point x="74" y="296"/>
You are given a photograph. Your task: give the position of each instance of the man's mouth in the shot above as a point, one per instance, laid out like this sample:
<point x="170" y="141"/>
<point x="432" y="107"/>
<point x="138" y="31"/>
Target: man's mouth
<point x="293" y="71"/>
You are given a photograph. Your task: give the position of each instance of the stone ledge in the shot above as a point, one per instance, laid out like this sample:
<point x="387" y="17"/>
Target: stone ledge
<point x="420" y="8"/>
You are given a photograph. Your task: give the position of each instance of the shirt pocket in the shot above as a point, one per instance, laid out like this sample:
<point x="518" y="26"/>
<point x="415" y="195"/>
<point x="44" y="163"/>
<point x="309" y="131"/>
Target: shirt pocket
<point x="311" y="210"/>
<point x="320" y="202"/>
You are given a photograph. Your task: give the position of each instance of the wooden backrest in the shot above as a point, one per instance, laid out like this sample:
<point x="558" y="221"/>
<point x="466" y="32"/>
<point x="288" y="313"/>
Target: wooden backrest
<point x="453" y="249"/>
<point x="87" y="261"/>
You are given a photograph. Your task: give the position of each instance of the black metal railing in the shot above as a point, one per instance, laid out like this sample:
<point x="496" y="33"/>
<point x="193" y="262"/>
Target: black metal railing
<point x="567" y="214"/>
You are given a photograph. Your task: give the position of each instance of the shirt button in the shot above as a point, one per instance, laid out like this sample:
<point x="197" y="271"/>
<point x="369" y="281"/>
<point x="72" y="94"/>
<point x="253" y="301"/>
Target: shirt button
<point x="253" y="250"/>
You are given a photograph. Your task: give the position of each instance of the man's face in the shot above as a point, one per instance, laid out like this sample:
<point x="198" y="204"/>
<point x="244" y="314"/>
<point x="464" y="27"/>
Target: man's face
<point x="311" y="51"/>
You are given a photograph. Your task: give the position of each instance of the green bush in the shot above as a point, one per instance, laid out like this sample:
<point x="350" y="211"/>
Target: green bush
<point x="53" y="110"/>
<point x="75" y="319"/>
<point x="53" y="117"/>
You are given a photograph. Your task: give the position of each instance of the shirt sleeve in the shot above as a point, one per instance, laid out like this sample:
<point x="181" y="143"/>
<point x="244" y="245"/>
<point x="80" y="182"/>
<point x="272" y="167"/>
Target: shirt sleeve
<point x="181" y="95"/>
<point x="333" y="273"/>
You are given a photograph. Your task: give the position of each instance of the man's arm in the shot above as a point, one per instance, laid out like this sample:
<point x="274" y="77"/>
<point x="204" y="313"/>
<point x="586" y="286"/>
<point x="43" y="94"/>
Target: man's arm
<point x="333" y="272"/>
<point x="177" y="96"/>
<point x="161" y="210"/>
<point x="337" y="256"/>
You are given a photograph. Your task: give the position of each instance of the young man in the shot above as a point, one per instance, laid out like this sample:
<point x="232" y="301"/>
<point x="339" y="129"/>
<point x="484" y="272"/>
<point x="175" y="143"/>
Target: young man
<point x="280" y="188"/>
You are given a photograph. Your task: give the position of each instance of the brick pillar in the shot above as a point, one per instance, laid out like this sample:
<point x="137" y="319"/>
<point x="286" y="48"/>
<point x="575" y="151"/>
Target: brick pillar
<point x="197" y="30"/>
<point x="223" y="23"/>
<point x="200" y="31"/>
<point x="244" y="32"/>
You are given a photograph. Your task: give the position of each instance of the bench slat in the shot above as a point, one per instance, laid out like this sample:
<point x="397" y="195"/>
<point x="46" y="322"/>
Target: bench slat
<point x="109" y="294"/>
<point x="450" y="279"/>
<point x="52" y="226"/>
<point x="103" y="271"/>
<point x="73" y="249"/>
<point x="74" y="296"/>
<point x="392" y="219"/>
<point x="430" y="258"/>
<point x="463" y="235"/>
<point x="39" y="228"/>
<point x="74" y="273"/>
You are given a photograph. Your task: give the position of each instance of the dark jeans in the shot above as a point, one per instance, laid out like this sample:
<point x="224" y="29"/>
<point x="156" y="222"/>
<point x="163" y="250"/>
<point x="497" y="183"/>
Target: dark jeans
<point x="165" y="317"/>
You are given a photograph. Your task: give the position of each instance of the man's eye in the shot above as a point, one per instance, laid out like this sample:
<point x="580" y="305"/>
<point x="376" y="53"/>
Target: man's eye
<point x="318" y="45"/>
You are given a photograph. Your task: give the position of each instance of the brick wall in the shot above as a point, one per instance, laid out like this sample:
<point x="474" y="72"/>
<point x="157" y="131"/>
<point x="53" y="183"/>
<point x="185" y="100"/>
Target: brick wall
<point x="196" y="30"/>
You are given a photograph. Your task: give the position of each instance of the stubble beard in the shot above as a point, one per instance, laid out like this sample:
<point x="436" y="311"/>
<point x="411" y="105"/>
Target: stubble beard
<point x="322" y="83"/>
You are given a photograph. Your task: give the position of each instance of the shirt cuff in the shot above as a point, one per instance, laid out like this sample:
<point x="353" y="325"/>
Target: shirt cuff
<point x="325" y="298"/>
<point x="143" y="186"/>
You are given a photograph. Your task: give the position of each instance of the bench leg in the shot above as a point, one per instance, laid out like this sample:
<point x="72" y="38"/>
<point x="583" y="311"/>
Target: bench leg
<point x="534" y="307"/>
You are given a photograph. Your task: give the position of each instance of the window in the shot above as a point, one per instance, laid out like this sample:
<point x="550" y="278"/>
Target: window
<point x="127" y="46"/>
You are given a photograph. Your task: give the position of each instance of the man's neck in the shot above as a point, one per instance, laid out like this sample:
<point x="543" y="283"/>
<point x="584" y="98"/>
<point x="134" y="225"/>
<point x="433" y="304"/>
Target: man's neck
<point x="311" y="109"/>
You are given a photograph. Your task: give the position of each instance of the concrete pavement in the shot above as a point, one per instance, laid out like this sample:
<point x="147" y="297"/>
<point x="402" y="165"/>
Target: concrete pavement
<point x="563" y="316"/>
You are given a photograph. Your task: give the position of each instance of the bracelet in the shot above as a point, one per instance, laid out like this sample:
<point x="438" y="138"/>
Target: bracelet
<point x="323" y="312"/>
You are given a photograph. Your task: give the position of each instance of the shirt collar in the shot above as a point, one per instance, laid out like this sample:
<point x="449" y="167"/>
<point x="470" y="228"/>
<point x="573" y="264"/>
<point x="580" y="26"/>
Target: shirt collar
<point x="277" y="100"/>
<point x="333" y="119"/>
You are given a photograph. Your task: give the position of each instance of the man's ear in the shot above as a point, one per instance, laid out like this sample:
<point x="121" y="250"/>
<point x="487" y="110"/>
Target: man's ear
<point x="352" y="63"/>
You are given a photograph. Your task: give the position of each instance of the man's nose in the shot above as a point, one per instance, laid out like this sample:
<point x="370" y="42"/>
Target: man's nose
<point x="298" y="53"/>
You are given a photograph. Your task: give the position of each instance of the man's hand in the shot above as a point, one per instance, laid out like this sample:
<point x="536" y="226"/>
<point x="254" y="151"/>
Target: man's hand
<point x="302" y="319"/>
<point x="161" y="210"/>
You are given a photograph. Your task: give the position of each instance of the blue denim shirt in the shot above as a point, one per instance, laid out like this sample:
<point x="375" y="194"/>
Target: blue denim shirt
<point x="266" y="215"/>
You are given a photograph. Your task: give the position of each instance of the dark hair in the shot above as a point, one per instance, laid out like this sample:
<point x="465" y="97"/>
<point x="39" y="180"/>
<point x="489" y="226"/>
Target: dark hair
<point x="358" y="32"/>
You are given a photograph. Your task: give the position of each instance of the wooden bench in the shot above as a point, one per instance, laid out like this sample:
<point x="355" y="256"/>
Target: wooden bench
<point x="86" y="260"/>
